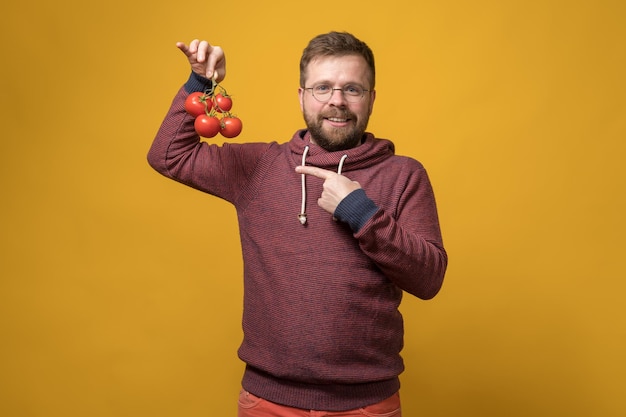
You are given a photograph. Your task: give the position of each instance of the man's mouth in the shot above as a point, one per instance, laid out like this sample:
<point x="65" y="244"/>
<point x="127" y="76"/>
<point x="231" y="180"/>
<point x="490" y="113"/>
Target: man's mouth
<point x="337" y="119"/>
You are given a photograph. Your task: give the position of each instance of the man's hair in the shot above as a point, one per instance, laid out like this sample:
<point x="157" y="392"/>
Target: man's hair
<point x="336" y="44"/>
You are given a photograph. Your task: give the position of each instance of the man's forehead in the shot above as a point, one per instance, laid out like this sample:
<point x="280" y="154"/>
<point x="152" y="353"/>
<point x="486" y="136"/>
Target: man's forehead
<point x="353" y="65"/>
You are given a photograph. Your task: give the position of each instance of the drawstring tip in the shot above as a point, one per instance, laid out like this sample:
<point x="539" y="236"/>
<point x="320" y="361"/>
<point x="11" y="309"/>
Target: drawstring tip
<point x="302" y="218"/>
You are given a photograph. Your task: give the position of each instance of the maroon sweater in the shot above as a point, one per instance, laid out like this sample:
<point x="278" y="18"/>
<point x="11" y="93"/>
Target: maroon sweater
<point x="321" y="323"/>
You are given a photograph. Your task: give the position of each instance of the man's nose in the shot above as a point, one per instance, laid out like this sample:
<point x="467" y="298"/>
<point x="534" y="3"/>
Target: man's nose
<point x="337" y="99"/>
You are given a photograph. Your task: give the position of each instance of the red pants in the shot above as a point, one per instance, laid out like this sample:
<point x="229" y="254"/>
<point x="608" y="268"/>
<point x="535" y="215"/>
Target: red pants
<point x="253" y="406"/>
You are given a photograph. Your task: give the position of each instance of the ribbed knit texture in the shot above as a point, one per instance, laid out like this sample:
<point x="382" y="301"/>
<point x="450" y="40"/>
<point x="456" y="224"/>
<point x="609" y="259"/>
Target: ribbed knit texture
<point x="355" y="209"/>
<point x="321" y="323"/>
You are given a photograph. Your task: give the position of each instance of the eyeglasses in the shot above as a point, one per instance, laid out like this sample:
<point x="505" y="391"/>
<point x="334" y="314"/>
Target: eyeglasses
<point x="323" y="92"/>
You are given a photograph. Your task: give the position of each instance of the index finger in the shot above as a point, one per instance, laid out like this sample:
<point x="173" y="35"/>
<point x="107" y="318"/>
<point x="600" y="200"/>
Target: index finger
<point x="315" y="171"/>
<point x="190" y="49"/>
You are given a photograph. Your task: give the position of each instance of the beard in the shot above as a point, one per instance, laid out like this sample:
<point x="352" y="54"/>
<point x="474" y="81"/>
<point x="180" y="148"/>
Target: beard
<point x="336" y="138"/>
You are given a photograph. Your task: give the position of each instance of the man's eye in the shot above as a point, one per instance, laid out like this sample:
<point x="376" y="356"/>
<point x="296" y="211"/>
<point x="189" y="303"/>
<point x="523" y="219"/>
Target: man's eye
<point x="350" y="89"/>
<point x="322" y="88"/>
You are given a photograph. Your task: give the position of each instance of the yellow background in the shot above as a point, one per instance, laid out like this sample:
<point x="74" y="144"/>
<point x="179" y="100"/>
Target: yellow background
<point x="120" y="291"/>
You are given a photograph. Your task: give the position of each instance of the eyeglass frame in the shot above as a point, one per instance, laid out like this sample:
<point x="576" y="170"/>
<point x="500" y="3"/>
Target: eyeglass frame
<point x="343" y="93"/>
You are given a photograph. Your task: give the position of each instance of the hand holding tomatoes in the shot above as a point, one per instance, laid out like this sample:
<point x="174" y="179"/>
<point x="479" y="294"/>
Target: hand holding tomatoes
<point x="211" y="110"/>
<point x="205" y="59"/>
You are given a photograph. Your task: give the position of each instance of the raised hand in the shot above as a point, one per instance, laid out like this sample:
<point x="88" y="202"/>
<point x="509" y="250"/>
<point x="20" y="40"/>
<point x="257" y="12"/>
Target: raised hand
<point x="206" y="60"/>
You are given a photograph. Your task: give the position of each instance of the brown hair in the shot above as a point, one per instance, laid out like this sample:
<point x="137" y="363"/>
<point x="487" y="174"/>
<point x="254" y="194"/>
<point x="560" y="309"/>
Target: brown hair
<point x="336" y="44"/>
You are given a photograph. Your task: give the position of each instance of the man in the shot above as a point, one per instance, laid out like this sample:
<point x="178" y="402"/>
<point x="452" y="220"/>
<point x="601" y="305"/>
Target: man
<point x="333" y="227"/>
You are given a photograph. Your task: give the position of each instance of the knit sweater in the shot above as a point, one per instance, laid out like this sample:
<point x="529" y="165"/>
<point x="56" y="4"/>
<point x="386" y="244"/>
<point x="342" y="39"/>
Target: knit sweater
<point x="321" y="323"/>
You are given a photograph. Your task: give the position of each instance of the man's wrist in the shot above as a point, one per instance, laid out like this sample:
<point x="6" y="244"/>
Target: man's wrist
<point x="197" y="82"/>
<point x="355" y="209"/>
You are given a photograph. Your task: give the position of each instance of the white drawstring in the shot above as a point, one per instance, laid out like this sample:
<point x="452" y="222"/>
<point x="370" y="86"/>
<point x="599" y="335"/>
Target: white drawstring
<point x="302" y="215"/>
<point x="343" y="158"/>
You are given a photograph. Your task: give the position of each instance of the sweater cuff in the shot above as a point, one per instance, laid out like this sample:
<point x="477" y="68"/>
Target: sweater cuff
<point x="355" y="209"/>
<point x="197" y="83"/>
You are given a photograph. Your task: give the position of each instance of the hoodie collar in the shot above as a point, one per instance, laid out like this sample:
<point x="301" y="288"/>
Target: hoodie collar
<point x="371" y="152"/>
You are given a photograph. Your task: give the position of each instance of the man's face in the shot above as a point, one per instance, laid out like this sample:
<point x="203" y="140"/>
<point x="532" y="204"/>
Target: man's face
<point x="337" y="124"/>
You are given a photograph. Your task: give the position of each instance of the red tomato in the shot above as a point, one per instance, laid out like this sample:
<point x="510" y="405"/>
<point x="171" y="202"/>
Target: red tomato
<point x="207" y="126"/>
<point x="198" y="103"/>
<point x="222" y="103"/>
<point x="231" y="126"/>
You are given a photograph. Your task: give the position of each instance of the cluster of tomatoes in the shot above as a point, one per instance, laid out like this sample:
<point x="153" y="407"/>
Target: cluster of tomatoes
<point x="211" y="109"/>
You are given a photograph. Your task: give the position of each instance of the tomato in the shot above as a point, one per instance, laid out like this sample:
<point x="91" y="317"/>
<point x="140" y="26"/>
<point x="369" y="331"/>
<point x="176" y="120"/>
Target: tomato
<point x="207" y="126"/>
<point x="231" y="126"/>
<point x="222" y="103"/>
<point x="198" y="103"/>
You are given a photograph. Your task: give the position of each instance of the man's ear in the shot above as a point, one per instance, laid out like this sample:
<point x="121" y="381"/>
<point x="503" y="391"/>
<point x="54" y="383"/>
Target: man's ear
<point x="372" y="98"/>
<point x="301" y="98"/>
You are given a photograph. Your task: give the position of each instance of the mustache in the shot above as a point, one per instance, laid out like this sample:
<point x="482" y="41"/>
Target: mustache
<point x="339" y="114"/>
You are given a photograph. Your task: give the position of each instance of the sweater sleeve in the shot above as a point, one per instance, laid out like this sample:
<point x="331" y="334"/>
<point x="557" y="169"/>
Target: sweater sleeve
<point x="407" y="245"/>
<point x="178" y="152"/>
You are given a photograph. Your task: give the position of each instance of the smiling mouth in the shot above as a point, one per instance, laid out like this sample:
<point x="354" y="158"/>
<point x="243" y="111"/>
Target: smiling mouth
<point x="337" y="120"/>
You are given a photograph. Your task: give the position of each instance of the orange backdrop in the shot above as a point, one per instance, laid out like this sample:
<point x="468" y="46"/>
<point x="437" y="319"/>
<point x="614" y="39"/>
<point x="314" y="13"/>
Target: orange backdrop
<point x="120" y="291"/>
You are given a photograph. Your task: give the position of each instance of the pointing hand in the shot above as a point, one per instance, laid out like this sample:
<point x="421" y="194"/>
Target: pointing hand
<point x="336" y="186"/>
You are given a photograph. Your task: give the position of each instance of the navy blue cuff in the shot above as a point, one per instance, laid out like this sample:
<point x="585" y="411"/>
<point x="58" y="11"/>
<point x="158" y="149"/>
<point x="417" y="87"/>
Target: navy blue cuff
<point x="197" y="83"/>
<point x="355" y="209"/>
